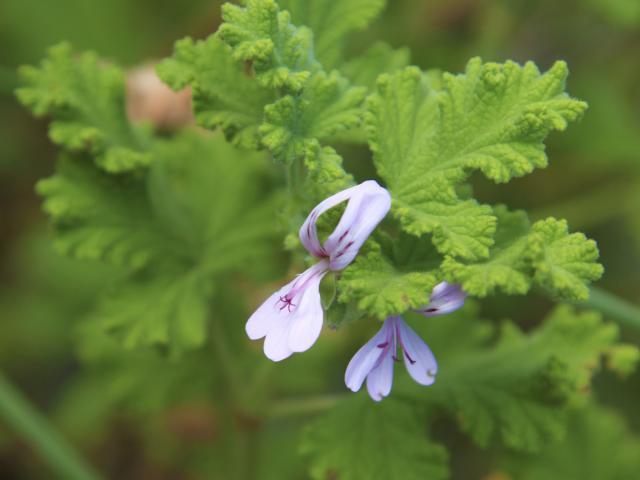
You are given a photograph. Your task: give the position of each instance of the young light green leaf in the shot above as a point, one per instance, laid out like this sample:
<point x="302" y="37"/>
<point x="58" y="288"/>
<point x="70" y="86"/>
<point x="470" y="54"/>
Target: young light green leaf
<point x="564" y="263"/>
<point x="223" y="95"/>
<point x="331" y="22"/>
<point x="545" y="254"/>
<point x="427" y="140"/>
<point x="328" y="105"/>
<point x="281" y="53"/>
<point x="326" y="174"/>
<point x="381" y="289"/>
<point x="352" y="441"/>
<point x="506" y="268"/>
<point x="86" y="99"/>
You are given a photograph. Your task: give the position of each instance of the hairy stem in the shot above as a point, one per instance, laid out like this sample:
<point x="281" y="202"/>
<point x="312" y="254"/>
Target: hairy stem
<point x="617" y="308"/>
<point x="34" y="428"/>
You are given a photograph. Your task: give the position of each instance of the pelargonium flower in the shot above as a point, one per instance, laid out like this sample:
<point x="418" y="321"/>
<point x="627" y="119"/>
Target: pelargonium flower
<point x="374" y="361"/>
<point x="291" y="318"/>
<point x="445" y="298"/>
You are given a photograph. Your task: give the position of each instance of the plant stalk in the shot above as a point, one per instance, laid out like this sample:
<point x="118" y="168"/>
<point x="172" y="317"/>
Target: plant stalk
<point x="34" y="428"/>
<point x="615" y="307"/>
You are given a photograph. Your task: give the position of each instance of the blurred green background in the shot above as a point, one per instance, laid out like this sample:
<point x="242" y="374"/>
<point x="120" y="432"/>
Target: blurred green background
<point x="593" y="181"/>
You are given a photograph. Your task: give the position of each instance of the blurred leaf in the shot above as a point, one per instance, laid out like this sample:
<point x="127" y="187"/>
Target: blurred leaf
<point x="378" y="59"/>
<point x="86" y="100"/>
<point x="174" y="225"/>
<point x="352" y="442"/>
<point x="518" y="391"/>
<point x="599" y="445"/>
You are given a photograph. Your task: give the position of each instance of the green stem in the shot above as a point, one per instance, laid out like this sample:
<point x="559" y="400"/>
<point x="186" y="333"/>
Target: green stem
<point x="34" y="428"/>
<point x="617" y="308"/>
<point x="304" y="406"/>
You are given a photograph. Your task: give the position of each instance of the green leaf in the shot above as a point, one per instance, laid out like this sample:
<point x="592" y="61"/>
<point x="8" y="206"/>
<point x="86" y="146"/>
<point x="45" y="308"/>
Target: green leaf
<point x="223" y="95"/>
<point x="86" y="99"/>
<point x="326" y="174"/>
<point x="599" y="445"/>
<point x="312" y="104"/>
<point x="101" y="217"/>
<point x="328" y="105"/>
<point x="428" y="138"/>
<point x="519" y="390"/>
<point x="352" y="442"/>
<point x="546" y="254"/>
<point x="331" y="22"/>
<point x="505" y="269"/>
<point x="176" y="235"/>
<point x="382" y="288"/>
<point x="564" y="263"/>
<point x="166" y="308"/>
<point x="281" y="53"/>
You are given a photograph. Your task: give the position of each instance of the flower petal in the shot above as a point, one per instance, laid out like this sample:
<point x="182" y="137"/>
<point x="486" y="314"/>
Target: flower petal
<point x="445" y="298"/>
<point x="307" y="320"/>
<point x="380" y="379"/>
<point x="308" y="233"/>
<point x="291" y="318"/>
<point x="365" y="210"/>
<point x="367" y="357"/>
<point x="368" y="203"/>
<point x="276" y="344"/>
<point x="418" y="358"/>
<point x="268" y="315"/>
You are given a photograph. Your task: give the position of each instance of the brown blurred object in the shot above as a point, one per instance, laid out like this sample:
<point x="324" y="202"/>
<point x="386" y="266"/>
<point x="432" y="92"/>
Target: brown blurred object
<point x="195" y="422"/>
<point x="150" y="100"/>
<point x="497" y="476"/>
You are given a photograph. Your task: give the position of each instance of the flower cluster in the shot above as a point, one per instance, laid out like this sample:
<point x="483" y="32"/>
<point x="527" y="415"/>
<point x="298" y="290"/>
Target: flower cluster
<point x="291" y="319"/>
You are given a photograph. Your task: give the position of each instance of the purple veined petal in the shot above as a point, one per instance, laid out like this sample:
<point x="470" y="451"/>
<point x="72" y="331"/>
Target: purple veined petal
<point x="418" y="358"/>
<point x="445" y="298"/>
<point x="380" y="379"/>
<point x="308" y="317"/>
<point x="368" y="356"/>
<point x="308" y="233"/>
<point x="365" y="210"/>
<point x="368" y="203"/>
<point x="276" y="318"/>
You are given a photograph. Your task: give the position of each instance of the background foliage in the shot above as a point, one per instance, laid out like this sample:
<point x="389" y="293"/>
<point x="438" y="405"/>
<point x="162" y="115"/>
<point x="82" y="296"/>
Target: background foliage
<point x="123" y="303"/>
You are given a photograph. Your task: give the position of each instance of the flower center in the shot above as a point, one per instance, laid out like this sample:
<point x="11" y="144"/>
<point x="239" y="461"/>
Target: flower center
<point x="300" y="285"/>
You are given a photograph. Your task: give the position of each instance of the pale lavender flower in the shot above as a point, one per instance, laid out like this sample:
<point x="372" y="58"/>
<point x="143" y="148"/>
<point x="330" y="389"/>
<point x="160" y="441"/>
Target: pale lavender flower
<point x="374" y="361"/>
<point x="445" y="298"/>
<point x="291" y="318"/>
